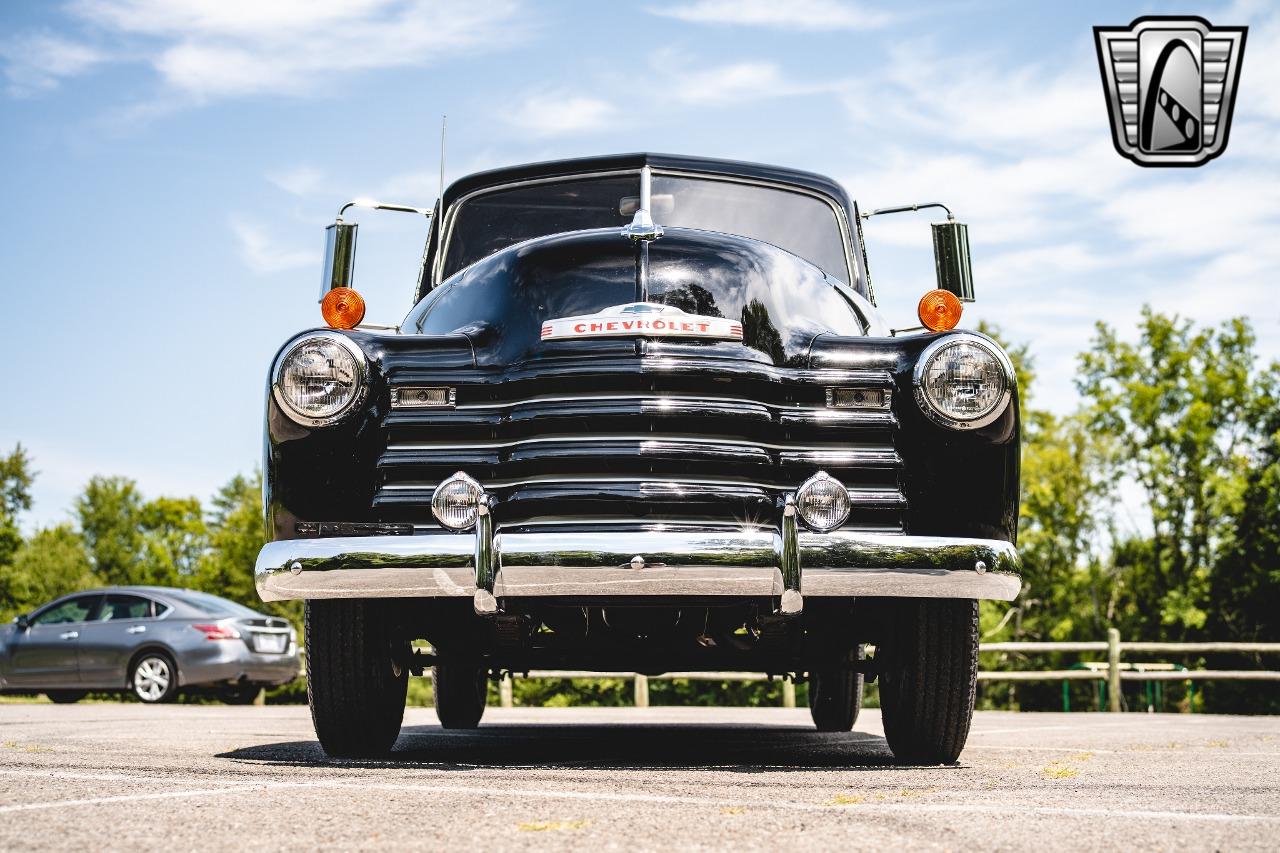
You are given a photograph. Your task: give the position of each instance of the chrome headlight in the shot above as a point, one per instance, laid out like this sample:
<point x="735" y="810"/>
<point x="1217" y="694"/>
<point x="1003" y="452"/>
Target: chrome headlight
<point x="963" y="381"/>
<point x="458" y="502"/>
<point x="823" y="502"/>
<point x="319" y="378"/>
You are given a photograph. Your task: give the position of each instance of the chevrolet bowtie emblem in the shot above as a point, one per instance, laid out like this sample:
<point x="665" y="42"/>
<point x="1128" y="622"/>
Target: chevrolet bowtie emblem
<point x="1171" y="86"/>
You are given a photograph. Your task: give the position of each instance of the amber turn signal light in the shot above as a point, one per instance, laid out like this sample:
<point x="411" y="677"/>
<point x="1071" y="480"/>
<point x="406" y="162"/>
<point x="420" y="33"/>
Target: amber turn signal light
<point x="939" y="310"/>
<point x="343" y="308"/>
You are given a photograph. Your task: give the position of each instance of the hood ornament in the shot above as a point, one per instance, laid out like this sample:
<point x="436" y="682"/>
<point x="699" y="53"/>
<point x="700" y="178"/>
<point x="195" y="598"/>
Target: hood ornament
<point x="642" y="227"/>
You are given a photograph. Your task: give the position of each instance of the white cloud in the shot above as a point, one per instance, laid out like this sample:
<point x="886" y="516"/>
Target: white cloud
<point x="224" y="48"/>
<point x="733" y="83"/>
<point x="788" y="15"/>
<point x="299" y="181"/>
<point x="560" y="113"/>
<point x="36" y="62"/>
<point x="1064" y="230"/>
<point x="262" y="254"/>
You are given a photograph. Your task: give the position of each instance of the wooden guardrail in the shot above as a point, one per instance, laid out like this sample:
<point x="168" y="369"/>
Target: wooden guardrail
<point x="1113" y="672"/>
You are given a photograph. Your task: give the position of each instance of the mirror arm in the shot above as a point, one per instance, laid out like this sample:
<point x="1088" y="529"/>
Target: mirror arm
<point x="907" y="208"/>
<point x="370" y="204"/>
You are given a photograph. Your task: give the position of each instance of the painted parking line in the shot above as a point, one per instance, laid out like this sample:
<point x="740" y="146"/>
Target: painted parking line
<point x="489" y="791"/>
<point x="1187" y="748"/>
<point x="129" y="798"/>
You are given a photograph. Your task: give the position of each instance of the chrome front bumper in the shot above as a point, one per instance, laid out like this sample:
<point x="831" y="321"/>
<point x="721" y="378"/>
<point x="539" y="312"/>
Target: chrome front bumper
<point x="784" y="564"/>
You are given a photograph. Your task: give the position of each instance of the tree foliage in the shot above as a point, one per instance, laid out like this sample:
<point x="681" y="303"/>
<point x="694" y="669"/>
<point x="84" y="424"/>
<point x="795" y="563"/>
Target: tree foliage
<point x="15" y="497"/>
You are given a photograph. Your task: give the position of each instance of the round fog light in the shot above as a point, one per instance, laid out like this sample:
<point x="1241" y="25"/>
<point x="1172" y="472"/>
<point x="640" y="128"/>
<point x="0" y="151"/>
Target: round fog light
<point x="456" y="502"/>
<point x="823" y="502"/>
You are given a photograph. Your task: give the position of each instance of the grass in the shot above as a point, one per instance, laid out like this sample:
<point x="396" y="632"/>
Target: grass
<point x="1057" y="770"/>
<point x="30" y="747"/>
<point x="845" y="800"/>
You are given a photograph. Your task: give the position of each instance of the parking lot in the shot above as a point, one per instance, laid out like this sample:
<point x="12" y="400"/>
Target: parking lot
<point x="115" y="776"/>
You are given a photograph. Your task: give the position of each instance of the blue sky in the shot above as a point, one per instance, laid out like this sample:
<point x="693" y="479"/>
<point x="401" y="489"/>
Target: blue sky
<point x="170" y="164"/>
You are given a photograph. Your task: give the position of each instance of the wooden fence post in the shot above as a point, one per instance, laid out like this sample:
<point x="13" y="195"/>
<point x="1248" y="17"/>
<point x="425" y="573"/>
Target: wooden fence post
<point x="642" y="690"/>
<point x="788" y="693"/>
<point x="506" y="693"/>
<point x="1113" y="670"/>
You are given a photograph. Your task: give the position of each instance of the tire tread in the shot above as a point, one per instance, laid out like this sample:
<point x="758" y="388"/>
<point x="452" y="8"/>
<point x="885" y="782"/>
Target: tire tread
<point x="357" y="699"/>
<point x="929" y="681"/>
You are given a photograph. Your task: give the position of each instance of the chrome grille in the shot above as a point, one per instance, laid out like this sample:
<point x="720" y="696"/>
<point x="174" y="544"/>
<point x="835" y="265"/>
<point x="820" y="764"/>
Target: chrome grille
<point x="657" y="454"/>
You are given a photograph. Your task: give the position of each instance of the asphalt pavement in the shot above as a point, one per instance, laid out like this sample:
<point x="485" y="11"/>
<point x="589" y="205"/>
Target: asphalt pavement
<point x="127" y="776"/>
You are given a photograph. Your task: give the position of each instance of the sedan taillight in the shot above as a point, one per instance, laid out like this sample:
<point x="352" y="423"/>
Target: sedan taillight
<point x="218" y="632"/>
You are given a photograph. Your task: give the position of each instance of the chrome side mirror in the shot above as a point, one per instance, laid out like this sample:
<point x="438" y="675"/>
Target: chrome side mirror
<point x="950" y="249"/>
<point x="339" y="256"/>
<point x="340" y="244"/>
<point x="951" y="258"/>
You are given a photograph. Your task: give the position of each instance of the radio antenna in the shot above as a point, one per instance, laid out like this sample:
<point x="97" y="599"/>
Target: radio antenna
<point x="444" y="125"/>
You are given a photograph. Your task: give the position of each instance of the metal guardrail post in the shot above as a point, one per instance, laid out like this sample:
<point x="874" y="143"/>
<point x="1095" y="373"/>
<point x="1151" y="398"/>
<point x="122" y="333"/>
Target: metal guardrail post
<point x="1113" y="670"/>
<point x="506" y="693"/>
<point x="642" y="690"/>
<point x="788" y="693"/>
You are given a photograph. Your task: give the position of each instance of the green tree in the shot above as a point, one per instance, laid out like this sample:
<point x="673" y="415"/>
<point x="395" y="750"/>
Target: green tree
<point x="1174" y="403"/>
<point x="173" y="539"/>
<point x="132" y="541"/>
<point x="109" y="512"/>
<point x="1245" y="583"/>
<point x="51" y="563"/>
<point x="16" y="478"/>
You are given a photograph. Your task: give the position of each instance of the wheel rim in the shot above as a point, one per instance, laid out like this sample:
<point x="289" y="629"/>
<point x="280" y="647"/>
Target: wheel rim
<point x="151" y="679"/>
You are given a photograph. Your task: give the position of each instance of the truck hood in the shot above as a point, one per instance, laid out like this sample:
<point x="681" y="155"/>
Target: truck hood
<point x="776" y="303"/>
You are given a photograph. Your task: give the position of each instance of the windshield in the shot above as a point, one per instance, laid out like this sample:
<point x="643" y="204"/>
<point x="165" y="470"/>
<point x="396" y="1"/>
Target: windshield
<point x="797" y="222"/>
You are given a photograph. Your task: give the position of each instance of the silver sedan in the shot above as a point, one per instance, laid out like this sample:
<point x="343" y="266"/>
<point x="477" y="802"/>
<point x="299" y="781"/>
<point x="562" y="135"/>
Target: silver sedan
<point x="152" y="641"/>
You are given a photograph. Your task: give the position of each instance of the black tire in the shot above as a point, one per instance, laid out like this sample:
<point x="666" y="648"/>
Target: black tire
<point x="66" y="697"/>
<point x="928" y="679"/>
<point x="357" y="677"/>
<point x="460" y="694"/>
<point x="835" y="698"/>
<point x="153" y="678"/>
<point x="244" y="695"/>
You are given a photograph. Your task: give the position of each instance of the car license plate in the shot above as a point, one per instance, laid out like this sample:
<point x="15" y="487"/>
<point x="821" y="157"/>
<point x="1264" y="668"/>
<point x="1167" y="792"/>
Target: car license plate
<point x="271" y="643"/>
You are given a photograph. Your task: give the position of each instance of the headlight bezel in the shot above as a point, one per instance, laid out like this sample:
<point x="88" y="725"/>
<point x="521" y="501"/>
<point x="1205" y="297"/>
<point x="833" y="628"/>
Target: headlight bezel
<point x="361" y="378"/>
<point x="983" y="343"/>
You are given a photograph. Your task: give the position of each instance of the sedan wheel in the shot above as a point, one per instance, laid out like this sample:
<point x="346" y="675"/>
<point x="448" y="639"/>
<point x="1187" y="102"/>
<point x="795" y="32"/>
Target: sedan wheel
<point x="154" y="679"/>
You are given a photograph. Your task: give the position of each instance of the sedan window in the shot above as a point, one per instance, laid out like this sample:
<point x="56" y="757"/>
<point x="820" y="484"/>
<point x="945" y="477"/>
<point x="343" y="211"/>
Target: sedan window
<point x="212" y="605"/>
<point x="126" y="607"/>
<point x="72" y="610"/>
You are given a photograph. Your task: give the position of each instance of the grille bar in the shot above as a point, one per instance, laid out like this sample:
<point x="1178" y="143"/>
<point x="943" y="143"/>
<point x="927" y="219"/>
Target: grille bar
<point x="647" y="437"/>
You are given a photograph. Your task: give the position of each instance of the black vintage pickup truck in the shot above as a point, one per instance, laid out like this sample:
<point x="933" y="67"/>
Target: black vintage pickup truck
<point x="643" y="415"/>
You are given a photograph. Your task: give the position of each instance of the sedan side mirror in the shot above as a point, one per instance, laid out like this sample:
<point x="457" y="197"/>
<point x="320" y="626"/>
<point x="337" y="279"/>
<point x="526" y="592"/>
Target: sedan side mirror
<point x="951" y="258"/>
<point x="23" y="621"/>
